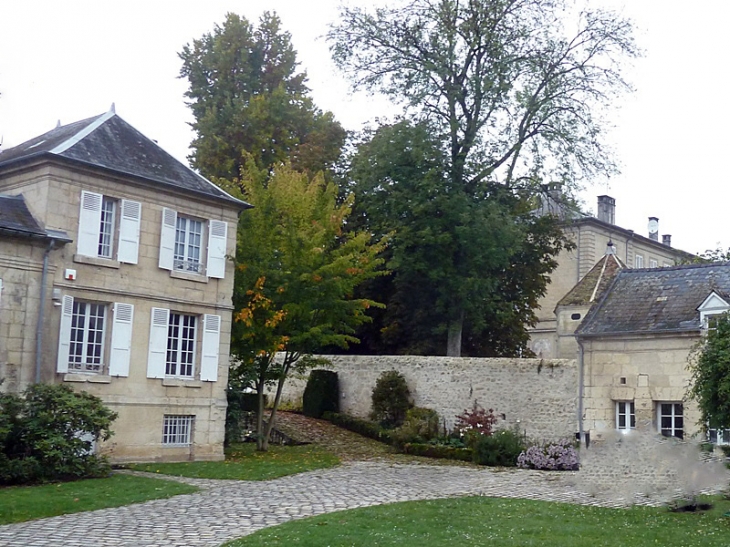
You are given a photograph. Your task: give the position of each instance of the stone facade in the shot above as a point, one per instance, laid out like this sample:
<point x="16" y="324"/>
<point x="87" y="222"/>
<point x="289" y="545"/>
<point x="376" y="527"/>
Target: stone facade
<point x="537" y="396"/>
<point x="135" y="299"/>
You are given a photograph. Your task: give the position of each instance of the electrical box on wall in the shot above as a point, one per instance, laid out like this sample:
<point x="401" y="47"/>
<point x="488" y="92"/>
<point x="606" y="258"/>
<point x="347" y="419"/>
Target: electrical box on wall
<point x="69" y="275"/>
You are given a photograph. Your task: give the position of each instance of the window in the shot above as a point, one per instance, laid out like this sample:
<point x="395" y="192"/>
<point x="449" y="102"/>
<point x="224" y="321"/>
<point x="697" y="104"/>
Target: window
<point x="719" y="436"/>
<point x="174" y="342"/>
<point x="183" y="249"/>
<point x="638" y="261"/>
<point x="625" y="415"/>
<point x="109" y="227"/>
<point x="177" y="430"/>
<point x="671" y="419"/>
<point x="653" y="263"/>
<point x="180" y="345"/>
<point x="666" y="265"/>
<point x="84" y="343"/>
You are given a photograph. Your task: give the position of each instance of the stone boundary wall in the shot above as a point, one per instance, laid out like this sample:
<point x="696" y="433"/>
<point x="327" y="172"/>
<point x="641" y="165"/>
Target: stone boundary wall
<point x="538" y="396"/>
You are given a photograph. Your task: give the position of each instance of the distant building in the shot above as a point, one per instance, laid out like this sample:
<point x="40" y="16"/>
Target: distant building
<point x="115" y="280"/>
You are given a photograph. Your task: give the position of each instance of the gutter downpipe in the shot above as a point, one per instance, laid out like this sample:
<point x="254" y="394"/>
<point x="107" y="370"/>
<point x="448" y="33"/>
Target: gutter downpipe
<point x="581" y="433"/>
<point x="41" y="313"/>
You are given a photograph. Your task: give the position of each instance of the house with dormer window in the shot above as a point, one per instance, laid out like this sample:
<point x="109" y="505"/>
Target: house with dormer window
<point x="635" y="346"/>
<point x="119" y="258"/>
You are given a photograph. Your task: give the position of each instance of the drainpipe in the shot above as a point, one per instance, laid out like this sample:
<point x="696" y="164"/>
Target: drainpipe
<point x="581" y="433"/>
<point x="41" y="313"/>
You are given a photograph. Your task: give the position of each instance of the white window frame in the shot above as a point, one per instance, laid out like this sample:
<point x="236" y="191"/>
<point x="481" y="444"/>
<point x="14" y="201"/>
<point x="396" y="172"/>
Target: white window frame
<point x="638" y="261"/>
<point x="103" y="237"/>
<point x="175" y="249"/>
<point x="719" y="437"/>
<point x="177" y="430"/>
<point x="626" y="411"/>
<point x="182" y="335"/>
<point x="88" y="340"/>
<point x="653" y="263"/>
<point x="675" y="412"/>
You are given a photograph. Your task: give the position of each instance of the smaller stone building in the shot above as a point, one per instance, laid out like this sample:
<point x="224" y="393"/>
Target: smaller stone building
<point x="636" y="342"/>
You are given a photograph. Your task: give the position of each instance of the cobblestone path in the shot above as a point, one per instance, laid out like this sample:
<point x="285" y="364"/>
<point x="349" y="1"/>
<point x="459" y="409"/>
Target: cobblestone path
<point x="224" y="510"/>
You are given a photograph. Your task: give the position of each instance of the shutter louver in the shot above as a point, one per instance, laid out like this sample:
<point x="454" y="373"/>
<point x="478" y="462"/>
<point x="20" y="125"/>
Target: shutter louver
<point x="121" y="351"/>
<point x="157" y="355"/>
<point x="129" y="227"/>
<point x="64" y="334"/>
<point x="89" y="224"/>
<point x="167" y="239"/>
<point x="211" y="347"/>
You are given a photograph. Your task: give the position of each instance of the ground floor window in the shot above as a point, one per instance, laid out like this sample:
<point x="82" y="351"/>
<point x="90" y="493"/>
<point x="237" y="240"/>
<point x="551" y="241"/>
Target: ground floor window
<point x="177" y="430"/>
<point x="718" y="436"/>
<point x="181" y="345"/>
<point x="671" y="419"/>
<point x="625" y="415"/>
<point x="86" y="352"/>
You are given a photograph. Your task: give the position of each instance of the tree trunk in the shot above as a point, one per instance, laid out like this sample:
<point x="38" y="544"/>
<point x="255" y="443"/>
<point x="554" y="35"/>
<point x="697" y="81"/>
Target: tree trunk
<point x="453" y="343"/>
<point x="260" y="417"/>
<point x="272" y="417"/>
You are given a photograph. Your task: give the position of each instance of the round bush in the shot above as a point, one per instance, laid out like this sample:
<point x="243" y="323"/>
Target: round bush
<point x="391" y="399"/>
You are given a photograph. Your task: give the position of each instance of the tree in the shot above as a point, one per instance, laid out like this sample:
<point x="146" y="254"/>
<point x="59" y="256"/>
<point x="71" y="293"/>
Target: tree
<point x="398" y="176"/>
<point x="246" y="95"/>
<point x="295" y="278"/>
<point x="511" y="99"/>
<point x="710" y="368"/>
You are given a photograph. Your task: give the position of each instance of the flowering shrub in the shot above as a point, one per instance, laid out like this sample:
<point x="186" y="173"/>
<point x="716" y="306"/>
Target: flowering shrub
<point x="475" y="423"/>
<point x="559" y="455"/>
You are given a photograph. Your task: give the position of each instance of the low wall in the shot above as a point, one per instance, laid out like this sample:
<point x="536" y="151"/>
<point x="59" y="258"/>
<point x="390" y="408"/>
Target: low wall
<point x="539" y="396"/>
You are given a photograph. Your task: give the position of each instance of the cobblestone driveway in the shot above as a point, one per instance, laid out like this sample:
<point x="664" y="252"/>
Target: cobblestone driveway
<point x="225" y="510"/>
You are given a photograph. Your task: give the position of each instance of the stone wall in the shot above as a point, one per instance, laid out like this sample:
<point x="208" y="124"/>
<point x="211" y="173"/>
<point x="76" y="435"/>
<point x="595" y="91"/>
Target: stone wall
<point x="538" y="396"/>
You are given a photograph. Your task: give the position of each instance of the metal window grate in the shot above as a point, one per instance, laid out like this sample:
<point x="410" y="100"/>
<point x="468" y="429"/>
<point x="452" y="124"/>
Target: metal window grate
<point x="177" y="430"/>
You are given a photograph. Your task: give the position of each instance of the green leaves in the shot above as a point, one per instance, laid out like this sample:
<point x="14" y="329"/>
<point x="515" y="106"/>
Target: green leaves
<point x="710" y="368"/>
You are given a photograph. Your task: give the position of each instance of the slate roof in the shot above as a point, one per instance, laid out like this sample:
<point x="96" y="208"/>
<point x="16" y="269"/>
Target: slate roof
<point x="17" y="220"/>
<point x="592" y="287"/>
<point x="656" y="300"/>
<point x="110" y="143"/>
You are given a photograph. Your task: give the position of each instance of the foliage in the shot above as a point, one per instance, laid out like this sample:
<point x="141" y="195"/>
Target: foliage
<point x="502" y="448"/>
<point x="23" y="503"/>
<point x="513" y="101"/>
<point x="482" y="520"/>
<point x="718" y="254"/>
<point x="475" y="423"/>
<point x="240" y="404"/>
<point x="391" y="399"/>
<point x="321" y="394"/>
<point x="246" y="95"/>
<point x="295" y="279"/>
<point x="48" y="434"/>
<point x="243" y="462"/>
<point x="420" y="425"/>
<point x="440" y="451"/>
<point x="710" y="368"/>
<point x="557" y="456"/>
<point x="366" y="428"/>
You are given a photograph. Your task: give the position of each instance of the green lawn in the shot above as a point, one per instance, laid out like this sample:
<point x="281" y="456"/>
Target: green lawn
<point x="244" y="463"/>
<point x="500" y="522"/>
<point x="21" y="503"/>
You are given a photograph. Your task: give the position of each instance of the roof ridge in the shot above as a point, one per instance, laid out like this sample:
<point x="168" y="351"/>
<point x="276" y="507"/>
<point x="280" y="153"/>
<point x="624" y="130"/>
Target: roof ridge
<point x="85" y="132"/>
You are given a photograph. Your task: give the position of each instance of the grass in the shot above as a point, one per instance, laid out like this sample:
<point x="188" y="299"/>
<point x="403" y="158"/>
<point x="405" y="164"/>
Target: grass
<point x="243" y="462"/>
<point x="21" y="503"/>
<point x="499" y="522"/>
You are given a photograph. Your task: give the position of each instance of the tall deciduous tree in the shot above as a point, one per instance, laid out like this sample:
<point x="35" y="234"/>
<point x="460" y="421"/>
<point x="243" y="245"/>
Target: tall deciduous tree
<point x="246" y="94"/>
<point x="295" y="279"/>
<point x="710" y="368"/>
<point x="514" y="98"/>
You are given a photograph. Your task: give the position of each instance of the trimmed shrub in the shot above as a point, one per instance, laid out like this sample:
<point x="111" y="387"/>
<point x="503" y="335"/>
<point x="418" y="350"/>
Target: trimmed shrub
<point x="366" y="428"/>
<point x="321" y="394"/>
<point x="391" y="399"/>
<point x="474" y="423"/>
<point x="421" y="425"/>
<point x="501" y="448"/>
<point x="560" y="455"/>
<point x="438" y="451"/>
<point x="49" y="434"/>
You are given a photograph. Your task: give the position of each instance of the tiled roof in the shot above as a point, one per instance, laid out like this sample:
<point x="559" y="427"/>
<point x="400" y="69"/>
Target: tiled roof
<point x="108" y="142"/>
<point x="656" y="300"/>
<point x="16" y="218"/>
<point x="591" y="288"/>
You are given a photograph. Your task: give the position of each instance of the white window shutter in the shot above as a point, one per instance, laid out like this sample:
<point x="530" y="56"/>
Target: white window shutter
<point x="89" y="224"/>
<point x="211" y="346"/>
<point x="121" y="340"/>
<point x="129" y="226"/>
<point x="157" y="356"/>
<point x="217" y="237"/>
<point x="167" y="238"/>
<point x="64" y="334"/>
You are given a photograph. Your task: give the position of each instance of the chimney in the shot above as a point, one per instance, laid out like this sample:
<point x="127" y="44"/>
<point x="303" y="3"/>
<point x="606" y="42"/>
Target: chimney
<point x="667" y="240"/>
<point x="607" y="209"/>
<point x="654" y="228"/>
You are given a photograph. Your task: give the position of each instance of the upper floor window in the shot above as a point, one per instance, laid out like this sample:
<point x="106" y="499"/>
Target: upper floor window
<point x="183" y="249"/>
<point x="638" y="261"/>
<point x="109" y="227"/>
<point x="653" y="263"/>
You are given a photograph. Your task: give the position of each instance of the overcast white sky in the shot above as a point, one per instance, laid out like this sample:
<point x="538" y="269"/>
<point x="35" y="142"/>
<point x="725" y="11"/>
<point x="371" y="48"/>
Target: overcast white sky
<point x="70" y="60"/>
